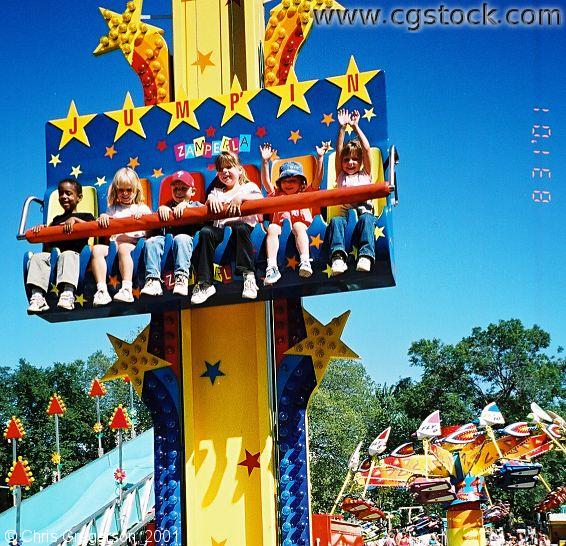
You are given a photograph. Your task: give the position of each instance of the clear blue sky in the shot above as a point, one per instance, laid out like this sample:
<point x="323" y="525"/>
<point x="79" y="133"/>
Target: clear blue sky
<point x="471" y="246"/>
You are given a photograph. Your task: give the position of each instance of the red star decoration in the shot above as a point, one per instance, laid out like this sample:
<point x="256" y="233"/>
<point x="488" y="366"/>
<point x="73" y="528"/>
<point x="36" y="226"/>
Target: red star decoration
<point x="261" y="132"/>
<point x="250" y="462"/>
<point x="211" y="131"/>
<point x="211" y="167"/>
<point x="292" y="262"/>
<point x="136" y="292"/>
<point x="161" y="145"/>
<point x="114" y="281"/>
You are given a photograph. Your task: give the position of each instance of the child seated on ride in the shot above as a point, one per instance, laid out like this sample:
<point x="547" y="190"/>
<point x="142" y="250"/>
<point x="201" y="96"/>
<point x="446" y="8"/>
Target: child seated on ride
<point x="291" y="181"/>
<point x="68" y="264"/>
<point x="353" y="168"/>
<point x="125" y="199"/>
<point x="183" y="189"/>
<point x="233" y="188"/>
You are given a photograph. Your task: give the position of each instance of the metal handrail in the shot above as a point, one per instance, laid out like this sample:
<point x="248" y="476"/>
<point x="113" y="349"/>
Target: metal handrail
<point x="23" y="220"/>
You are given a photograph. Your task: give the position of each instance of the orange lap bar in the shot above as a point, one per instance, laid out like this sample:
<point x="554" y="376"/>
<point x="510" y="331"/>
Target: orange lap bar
<point x="200" y="215"/>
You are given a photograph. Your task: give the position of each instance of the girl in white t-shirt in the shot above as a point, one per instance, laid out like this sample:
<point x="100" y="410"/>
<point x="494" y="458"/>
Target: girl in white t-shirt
<point x="125" y="199"/>
<point x="233" y="189"/>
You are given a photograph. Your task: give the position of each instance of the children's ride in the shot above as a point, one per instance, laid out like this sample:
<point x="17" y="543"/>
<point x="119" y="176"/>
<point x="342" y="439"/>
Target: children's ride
<point x="227" y="386"/>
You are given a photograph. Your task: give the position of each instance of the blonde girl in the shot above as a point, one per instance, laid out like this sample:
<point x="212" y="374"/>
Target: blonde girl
<point x="125" y="199"/>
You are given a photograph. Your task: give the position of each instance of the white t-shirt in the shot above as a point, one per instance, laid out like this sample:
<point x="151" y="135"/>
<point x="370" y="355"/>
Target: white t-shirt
<point x="246" y="191"/>
<point x="123" y="211"/>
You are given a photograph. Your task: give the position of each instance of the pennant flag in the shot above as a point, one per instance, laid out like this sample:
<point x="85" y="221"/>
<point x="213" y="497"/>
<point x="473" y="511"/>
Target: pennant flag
<point x="404" y="450"/>
<point x="120" y="419"/>
<point x="20" y="474"/>
<point x="519" y="429"/>
<point x="430" y="427"/>
<point x="354" y="461"/>
<point x="14" y="430"/>
<point x="56" y="406"/>
<point x="377" y="447"/>
<point x="97" y="388"/>
<point x="491" y="415"/>
<point x="539" y="415"/>
<point x="462" y="435"/>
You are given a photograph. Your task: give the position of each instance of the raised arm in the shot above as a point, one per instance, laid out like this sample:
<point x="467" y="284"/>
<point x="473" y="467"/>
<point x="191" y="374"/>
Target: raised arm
<point x="320" y="151"/>
<point x="343" y="120"/>
<point x="266" y="152"/>
<point x="366" y="154"/>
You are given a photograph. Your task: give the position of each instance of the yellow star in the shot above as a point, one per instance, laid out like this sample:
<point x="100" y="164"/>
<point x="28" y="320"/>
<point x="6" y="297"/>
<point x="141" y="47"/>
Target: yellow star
<point x="378" y="232"/>
<point x="236" y="102"/>
<point x="182" y="110"/>
<point x="128" y="118"/>
<point x="328" y="270"/>
<point x="80" y="299"/>
<point x="323" y="343"/>
<point x="133" y="360"/>
<point x="54" y="289"/>
<point x="292" y="93"/>
<point x="354" y="252"/>
<point x="316" y="241"/>
<point x="124" y="30"/>
<point x="75" y="171"/>
<point x="55" y="160"/>
<point x="134" y="162"/>
<point x="348" y="128"/>
<point x="73" y="126"/>
<point x="295" y="135"/>
<point x="368" y="114"/>
<point x="216" y="543"/>
<point x="100" y="181"/>
<point x="353" y="83"/>
<point x="327" y="119"/>
<point x="157" y="173"/>
<point x="110" y="151"/>
<point x="203" y="60"/>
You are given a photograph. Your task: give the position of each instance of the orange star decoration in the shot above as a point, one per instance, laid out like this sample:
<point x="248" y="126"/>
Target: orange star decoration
<point x="134" y="162"/>
<point x="327" y="119"/>
<point x="353" y="83"/>
<point x="250" y="462"/>
<point x="292" y="262"/>
<point x="73" y="126"/>
<point x="203" y="61"/>
<point x="323" y="343"/>
<point x="113" y="280"/>
<point x="134" y="360"/>
<point x="292" y="93"/>
<point x="157" y="173"/>
<point x="295" y="135"/>
<point x="128" y="118"/>
<point x="182" y="110"/>
<point x="236" y="102"/>
<point x="110" y="151"/>
<point x="316" y="241"/>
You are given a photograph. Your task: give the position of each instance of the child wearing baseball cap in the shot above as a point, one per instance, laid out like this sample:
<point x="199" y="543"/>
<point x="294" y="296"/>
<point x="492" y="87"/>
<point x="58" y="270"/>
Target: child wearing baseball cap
<point x="182" y="189"/>
<point x="291" y="180"/>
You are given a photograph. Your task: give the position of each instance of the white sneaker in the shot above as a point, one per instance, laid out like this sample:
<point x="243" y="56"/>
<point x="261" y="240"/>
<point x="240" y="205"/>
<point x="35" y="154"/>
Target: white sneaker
<point x="125" y="295"/>
<point x="37" y="303"/>
<point x="102" y="297"/>
<point x="181" y="287"/>
<point x="272" y="275"/>
<point x="250" y="287"/>
<point x="201" y="292"/>
<point x="305" y="269"/>
<point x="338" y="266"/>
<point x="152" y="287"/>
<point x="66" y="300"/>
<point x="364" y="264"/>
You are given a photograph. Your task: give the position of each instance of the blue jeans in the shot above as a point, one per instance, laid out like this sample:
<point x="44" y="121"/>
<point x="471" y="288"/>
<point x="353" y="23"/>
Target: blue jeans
<point x="182" y="252"/>
<point x="363" y="235"/>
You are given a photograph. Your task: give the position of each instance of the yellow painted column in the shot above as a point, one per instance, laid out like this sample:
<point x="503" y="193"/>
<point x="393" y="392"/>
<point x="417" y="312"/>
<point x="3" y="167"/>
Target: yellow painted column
<point x="465" y="525"/>
<point x="229" y="472"/>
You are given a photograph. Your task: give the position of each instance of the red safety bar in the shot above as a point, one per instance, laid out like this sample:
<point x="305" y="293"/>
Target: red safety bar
<point x="200" y="215"/>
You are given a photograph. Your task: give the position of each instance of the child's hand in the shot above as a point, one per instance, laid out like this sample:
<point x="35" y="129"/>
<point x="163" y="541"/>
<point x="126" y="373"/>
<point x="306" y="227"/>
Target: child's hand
<point x="354" y="118"/>
<point x="234" y="206"/>
<point x="68" y="225"/>
<point x="266" y="151"/>
<point x="37" y="229"/>
<point x="215" y="204"/>
<point x="163" y="212"/>
<point x="343" y="117"/>
<point x="323" y="148"/>
<point x="179" y="209"/>
<point x="103" y="221"/>
<point x="138" y="214"/>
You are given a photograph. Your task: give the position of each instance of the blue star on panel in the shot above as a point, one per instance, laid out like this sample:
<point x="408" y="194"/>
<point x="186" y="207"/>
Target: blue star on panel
<point x="212" y="371"/>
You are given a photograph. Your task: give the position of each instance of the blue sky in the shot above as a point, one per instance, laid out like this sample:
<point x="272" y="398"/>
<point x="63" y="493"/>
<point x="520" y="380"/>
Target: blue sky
<point x="471" y="245"/>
